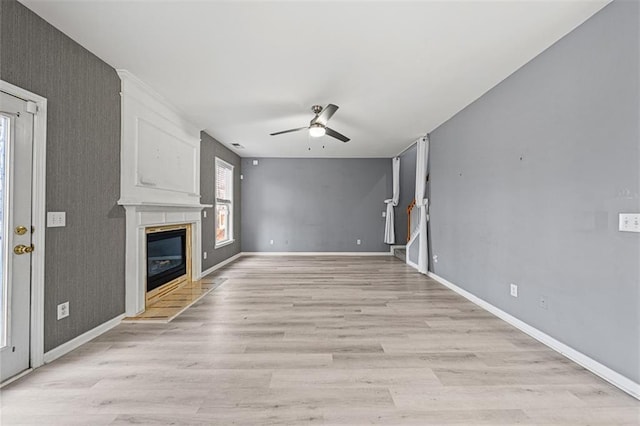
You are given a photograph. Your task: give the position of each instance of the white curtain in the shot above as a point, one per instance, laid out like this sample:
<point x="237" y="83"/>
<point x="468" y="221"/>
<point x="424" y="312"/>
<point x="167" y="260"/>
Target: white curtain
<point x="389" y="233"/>
<point x="421" y="202"/>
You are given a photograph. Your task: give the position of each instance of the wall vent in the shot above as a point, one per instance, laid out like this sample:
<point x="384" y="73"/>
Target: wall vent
<point x="237" y="145"/>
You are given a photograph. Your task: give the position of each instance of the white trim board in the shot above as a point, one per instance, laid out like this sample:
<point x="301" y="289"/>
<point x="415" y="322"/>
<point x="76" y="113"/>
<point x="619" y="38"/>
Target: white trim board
<point x="219" y="265"/>
<point x="38" y="218"/>
<point x="318" y="253"/>
<point x="286" y="253"/>
<point x="75" y="343"/>
<point x="611" y="376"/>
<point x="16" y="377"/>
<point x="69" y="346"/>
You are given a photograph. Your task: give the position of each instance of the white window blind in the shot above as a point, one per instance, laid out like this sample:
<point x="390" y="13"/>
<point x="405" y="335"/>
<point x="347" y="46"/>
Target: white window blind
<point x="224" y="202"/>
<point x="224" y="181"/>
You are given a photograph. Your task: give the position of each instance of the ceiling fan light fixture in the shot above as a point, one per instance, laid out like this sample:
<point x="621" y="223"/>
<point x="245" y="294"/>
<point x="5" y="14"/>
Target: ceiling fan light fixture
<point x="318" y="125"/>
<point x="316" y="130"/>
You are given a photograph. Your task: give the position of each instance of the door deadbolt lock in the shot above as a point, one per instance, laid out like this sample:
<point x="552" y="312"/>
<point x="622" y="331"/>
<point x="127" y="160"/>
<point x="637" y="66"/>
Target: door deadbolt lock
<point x="21" y="230"/>
<point x="22" y="249"/>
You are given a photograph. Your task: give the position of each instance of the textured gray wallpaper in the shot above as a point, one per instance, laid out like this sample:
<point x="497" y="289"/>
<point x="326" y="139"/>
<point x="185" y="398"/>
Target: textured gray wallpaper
<point x="527" y="183"/>
<point x="315" y="205"/>
<point x="85" y="260"/>
<point x="209" y="150"/>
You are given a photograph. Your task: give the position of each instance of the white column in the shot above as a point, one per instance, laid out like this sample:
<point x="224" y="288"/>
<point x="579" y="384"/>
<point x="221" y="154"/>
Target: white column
<point x="422" y="203"/>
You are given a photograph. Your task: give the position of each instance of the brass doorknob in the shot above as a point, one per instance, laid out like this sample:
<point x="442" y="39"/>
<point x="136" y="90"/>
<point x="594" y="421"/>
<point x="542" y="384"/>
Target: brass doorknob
<point x="22" y="249"/>
<point x="21" y="230"/>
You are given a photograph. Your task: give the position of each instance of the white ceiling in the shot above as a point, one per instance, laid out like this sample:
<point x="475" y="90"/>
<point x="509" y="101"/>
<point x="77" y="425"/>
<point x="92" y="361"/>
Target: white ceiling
<point x="241" y="70"/>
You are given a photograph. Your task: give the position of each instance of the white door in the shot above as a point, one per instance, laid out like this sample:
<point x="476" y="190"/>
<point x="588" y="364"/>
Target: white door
<point x="16" y="146"/>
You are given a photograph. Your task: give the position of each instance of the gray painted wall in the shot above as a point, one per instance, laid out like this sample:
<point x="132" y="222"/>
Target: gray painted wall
<point x="85" y="260"/>
<point x="527" y="183"/>
<point x="407" y="192"/>
<point x="316" y="205"/>
<point x="209" y="150"/>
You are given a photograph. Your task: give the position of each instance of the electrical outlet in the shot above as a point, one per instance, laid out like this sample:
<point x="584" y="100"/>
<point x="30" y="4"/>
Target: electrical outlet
<point x="271" y="242"/>
<point x="63" y="310"/>
<point x="204" y="213"/>
<point x="358" y="242"/>
<point x="204" y="254"/>
<point x="435" y="258"/>
<point x="629" y="222"/>
<point x="544" y="303"/>
<point x="255" y="162"/>
<point x="56" y="219"/>
<point x="514" y="290"/>
<point x="384" y="214"/>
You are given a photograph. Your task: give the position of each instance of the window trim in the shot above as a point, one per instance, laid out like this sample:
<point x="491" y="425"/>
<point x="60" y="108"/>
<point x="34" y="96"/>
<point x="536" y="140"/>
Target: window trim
<point x="219" y="162"/>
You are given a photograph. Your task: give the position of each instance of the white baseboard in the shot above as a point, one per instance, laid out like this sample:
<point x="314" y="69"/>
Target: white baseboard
<point x="67" y="347"/>
<point x="291" y="253"/>
<point x="72" y="344"/>
<point x="16" y="377"/>
<point x="219" y="265"/>
<point x="611" y="376"/>
<point x="318" y="253"/>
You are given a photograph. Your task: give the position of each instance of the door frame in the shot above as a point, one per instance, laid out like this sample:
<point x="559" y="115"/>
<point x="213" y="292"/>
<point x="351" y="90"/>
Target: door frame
<point x="38" y="208"/>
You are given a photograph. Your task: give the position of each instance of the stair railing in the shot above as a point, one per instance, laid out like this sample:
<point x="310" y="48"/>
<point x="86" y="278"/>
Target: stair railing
<point x="409" y="211"/>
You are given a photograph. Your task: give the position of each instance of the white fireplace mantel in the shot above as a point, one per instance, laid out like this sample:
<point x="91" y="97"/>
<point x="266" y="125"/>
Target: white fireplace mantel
<point x="140" y="216"/>
<point x="159" y="179"/>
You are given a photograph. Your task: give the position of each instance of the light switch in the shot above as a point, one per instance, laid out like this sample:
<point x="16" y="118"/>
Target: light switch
<point x="629" y="222"/>
<point x="56" y="219"/>
<point x="255" y="162"/>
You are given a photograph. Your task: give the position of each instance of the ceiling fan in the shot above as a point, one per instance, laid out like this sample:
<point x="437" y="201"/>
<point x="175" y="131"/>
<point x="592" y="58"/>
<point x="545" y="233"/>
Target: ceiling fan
<point x="318" y="125"/>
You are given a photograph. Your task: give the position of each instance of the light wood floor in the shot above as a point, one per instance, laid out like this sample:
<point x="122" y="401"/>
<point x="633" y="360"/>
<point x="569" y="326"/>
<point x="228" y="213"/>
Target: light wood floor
<point x="296" y="340"/>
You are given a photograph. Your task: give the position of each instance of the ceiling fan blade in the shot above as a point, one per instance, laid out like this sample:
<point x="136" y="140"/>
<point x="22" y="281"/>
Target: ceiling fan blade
<point x="325" y="115"/>
<point x="288" y="131"/>
<point x="336" y="135"/>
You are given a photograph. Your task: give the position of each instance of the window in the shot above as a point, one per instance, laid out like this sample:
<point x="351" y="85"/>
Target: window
<point x="224" y="202"/>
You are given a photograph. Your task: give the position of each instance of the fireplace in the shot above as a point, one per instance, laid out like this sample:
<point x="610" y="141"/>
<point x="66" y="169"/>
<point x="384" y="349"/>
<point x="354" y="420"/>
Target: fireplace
<point x="168" y="260"/>
<point x="166" y="257"/>
<point x="159" y="184"/>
